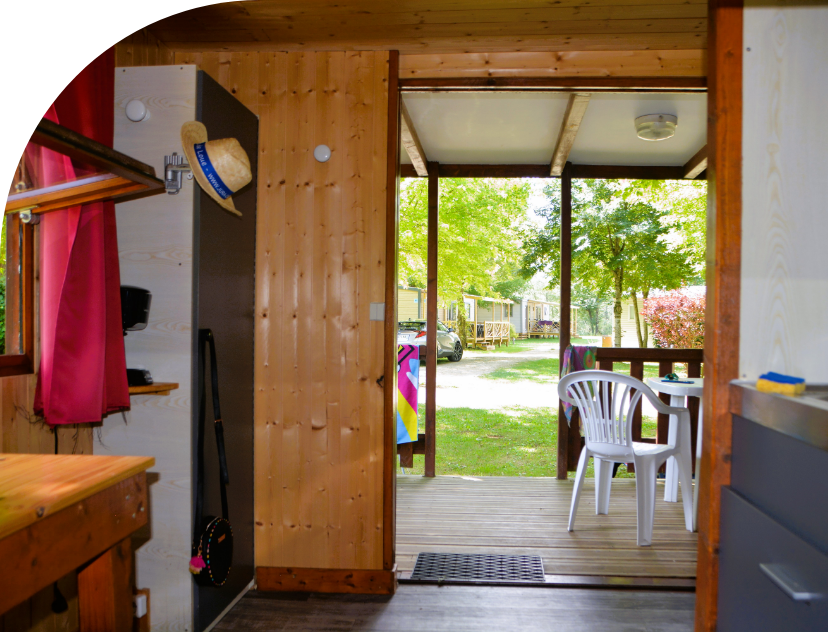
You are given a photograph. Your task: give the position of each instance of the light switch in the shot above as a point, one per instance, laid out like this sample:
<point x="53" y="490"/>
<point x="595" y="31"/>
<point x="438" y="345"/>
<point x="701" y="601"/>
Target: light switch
<point x="377" y="311"/>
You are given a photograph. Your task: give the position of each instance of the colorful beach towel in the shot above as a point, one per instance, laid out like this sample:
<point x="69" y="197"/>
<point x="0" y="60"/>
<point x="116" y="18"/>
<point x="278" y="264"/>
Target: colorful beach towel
<point x="408" y="383"/>
<point x="577" y="358"/>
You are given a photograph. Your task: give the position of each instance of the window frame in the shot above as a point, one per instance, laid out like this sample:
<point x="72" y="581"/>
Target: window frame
<point x="20" y="274"/>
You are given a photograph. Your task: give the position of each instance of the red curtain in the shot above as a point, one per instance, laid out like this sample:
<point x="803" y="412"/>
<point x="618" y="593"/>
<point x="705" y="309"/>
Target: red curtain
<point x="82" y="373"/>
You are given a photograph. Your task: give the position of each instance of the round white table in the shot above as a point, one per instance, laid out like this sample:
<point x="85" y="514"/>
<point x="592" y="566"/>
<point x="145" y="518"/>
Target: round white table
<point x="678" y="393"/>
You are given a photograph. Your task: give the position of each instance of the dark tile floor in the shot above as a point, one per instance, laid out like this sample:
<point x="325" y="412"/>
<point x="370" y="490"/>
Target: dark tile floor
<point x="422" y="608"/>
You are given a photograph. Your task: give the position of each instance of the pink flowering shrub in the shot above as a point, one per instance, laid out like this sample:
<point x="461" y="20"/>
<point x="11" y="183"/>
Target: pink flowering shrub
<point x="676" y="320"/>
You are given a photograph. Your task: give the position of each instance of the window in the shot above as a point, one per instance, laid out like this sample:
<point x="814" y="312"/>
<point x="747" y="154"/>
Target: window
<point x="632" y="312"/>
<point x="100" y="173"/>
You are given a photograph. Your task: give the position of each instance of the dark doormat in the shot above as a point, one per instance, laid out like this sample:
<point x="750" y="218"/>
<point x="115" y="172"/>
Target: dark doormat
<point x="495" y="569"/>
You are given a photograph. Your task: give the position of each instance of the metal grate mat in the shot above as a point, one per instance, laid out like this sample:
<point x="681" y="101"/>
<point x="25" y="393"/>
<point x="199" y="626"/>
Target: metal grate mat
<point x="461" y="567"/>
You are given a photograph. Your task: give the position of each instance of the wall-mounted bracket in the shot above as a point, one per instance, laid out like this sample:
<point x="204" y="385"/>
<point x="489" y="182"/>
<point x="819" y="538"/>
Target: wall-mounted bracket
<point x="174" y="167"/>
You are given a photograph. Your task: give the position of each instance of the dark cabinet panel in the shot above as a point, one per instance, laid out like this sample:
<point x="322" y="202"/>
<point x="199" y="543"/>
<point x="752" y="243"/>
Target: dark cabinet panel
<point x="224" y="301"/>
<point x="749" y="599"/>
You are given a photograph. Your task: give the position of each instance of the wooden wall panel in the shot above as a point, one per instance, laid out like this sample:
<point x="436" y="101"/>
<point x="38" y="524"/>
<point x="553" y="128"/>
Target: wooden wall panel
<point x="142" y="48"/>
<point x="784" y="228"/>
<point x="634" y="63"/>
<point x="320" y="263"/>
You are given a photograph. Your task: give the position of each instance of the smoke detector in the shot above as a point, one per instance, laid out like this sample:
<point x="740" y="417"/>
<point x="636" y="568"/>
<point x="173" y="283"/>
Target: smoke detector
<point x="656" y="126"/>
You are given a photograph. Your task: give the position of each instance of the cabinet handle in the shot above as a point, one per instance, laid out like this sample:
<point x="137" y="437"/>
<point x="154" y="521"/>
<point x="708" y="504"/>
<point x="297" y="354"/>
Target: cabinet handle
<point x="789" y="583"/>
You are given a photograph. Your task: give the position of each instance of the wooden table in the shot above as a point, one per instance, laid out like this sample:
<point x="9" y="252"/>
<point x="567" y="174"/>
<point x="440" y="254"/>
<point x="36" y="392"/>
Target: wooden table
<point x="61" y="513"/>
<point x="678" y="392"/>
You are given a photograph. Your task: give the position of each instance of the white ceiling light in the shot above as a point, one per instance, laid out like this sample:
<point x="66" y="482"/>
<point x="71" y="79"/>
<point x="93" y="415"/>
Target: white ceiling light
<point x="656" y="126"/>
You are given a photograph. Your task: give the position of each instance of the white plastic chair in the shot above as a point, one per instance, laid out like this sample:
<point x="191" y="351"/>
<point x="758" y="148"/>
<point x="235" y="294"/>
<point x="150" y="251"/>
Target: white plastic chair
<point x="606" y="417"/>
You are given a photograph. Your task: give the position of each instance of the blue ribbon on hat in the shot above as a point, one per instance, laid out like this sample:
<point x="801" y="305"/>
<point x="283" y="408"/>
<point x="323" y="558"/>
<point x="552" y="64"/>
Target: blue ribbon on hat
<point x="210" y="173"/>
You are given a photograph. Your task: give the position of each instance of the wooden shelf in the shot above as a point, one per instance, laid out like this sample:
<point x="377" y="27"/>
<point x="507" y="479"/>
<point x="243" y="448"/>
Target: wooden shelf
<point x="159" y="388"/>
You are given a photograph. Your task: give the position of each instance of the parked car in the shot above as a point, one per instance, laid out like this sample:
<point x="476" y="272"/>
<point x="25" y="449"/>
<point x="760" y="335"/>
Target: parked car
<point x="413" y="332"/>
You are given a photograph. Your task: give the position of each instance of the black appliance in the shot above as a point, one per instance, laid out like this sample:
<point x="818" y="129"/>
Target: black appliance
<point x="135" y="306"/>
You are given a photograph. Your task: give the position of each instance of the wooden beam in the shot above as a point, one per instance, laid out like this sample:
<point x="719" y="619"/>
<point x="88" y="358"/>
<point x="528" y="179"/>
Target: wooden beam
<point x="431" y="320"/>
<point x="613" y="172"/>
<point x="557" y="84"/>
<point x="633" y="63"/>
<point x="697" y="164"/>
<point x="566" y="303"/>
<point x="411" y="142"/>
<point x="105" y="590"/>
<point x="392" y="189"/>
<point x="623" y="172"/>
<point x="327" y="580"/>
<point x="724" y="251"/>
<point x="575" y="110"/>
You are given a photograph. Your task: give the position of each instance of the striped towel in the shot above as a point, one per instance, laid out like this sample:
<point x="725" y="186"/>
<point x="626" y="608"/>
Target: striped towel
<point x="408" y="383"/>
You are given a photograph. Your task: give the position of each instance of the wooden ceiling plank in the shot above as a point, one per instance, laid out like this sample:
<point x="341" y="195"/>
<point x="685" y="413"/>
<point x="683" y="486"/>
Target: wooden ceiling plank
<point x="305" y="9"/>
<point x="307" y="31"/>
<point x="215" y="19"/>
<point x="697" y="164"/>
<point x="575" y="110"/>
<point x="247" y="42"/>
<point x="411" y="142"/>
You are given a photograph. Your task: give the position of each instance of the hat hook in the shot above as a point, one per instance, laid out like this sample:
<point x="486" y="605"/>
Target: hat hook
<point x="175" y="167"/>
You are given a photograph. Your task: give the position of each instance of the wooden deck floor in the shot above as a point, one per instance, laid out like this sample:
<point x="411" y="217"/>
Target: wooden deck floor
<point x="528" y="516"/>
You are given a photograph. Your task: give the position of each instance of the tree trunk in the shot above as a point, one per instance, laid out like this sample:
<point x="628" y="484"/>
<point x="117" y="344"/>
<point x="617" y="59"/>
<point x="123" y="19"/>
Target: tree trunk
<point x="645" y="293"/>
<point x="619" y="290"/>
<point x="642" y="342"/>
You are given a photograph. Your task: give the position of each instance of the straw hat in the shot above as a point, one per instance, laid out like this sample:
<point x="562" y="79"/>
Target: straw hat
<point x="221" y="166"/>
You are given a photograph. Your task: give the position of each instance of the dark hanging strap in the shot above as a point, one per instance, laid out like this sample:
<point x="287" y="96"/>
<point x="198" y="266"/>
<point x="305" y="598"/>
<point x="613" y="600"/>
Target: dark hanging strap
<point x="205" y="340"/>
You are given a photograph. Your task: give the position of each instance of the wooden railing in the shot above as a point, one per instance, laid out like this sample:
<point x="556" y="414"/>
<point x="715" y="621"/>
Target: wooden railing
<point x="488" y="332"/>
<point x="607" y="358"/>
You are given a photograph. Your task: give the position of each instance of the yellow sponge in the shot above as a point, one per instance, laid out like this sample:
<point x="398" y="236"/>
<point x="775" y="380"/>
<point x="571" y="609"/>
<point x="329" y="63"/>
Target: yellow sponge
<point x="782" y="384"/>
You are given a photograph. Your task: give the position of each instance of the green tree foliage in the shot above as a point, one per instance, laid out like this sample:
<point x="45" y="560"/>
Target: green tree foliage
<point x="480" y="233"/>
<point x="621" y="243"/>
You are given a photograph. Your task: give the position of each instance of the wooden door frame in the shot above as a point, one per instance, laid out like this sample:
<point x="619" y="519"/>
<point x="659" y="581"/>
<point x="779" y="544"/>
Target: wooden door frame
<point x="724" y="253"/>
<point x="724" y="83"/>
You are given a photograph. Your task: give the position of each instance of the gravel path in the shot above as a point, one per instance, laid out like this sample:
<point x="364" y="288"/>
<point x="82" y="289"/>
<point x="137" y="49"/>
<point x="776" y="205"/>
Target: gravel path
<point x="462" y="385"/>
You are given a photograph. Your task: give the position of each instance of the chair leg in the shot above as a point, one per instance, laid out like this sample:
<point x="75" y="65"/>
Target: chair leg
<point x="603" y="481"/>
<point x="645" y="491"/>
<point x="579" y="481"/>
<point x="685" y="466"/>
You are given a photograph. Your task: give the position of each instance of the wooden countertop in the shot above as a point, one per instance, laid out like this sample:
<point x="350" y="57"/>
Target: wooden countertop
<point x="33" y="486"/>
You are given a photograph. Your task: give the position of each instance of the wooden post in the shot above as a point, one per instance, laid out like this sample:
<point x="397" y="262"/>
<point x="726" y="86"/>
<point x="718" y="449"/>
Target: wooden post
<point x="724" y="274"/>
<point x="566" y="298"/>
<point x="105" y="591"/>
<point x="392" y="191"/>
<point x="431" y="322"/>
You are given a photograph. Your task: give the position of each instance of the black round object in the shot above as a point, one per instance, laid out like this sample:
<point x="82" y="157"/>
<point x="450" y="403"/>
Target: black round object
<point x="216" y="551"/>
<point x="135" y="306"/>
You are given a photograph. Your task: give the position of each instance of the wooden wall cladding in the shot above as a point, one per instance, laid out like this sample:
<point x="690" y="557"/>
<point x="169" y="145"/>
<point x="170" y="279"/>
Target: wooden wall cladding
<point x="632" y="63"/>
<point x="321" y="257"/>
<point x="438" y="26"/>
<point x="784" y="259"/>
<point x="142" y="48"/>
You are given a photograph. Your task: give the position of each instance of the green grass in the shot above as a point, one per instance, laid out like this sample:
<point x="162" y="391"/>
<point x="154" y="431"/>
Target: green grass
<point x="511" y="442"/>
<point x="545" y="371"/>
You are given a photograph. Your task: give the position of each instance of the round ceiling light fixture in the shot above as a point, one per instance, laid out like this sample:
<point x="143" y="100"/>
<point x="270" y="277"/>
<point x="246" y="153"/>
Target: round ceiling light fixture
<point x="656" y="126"/>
